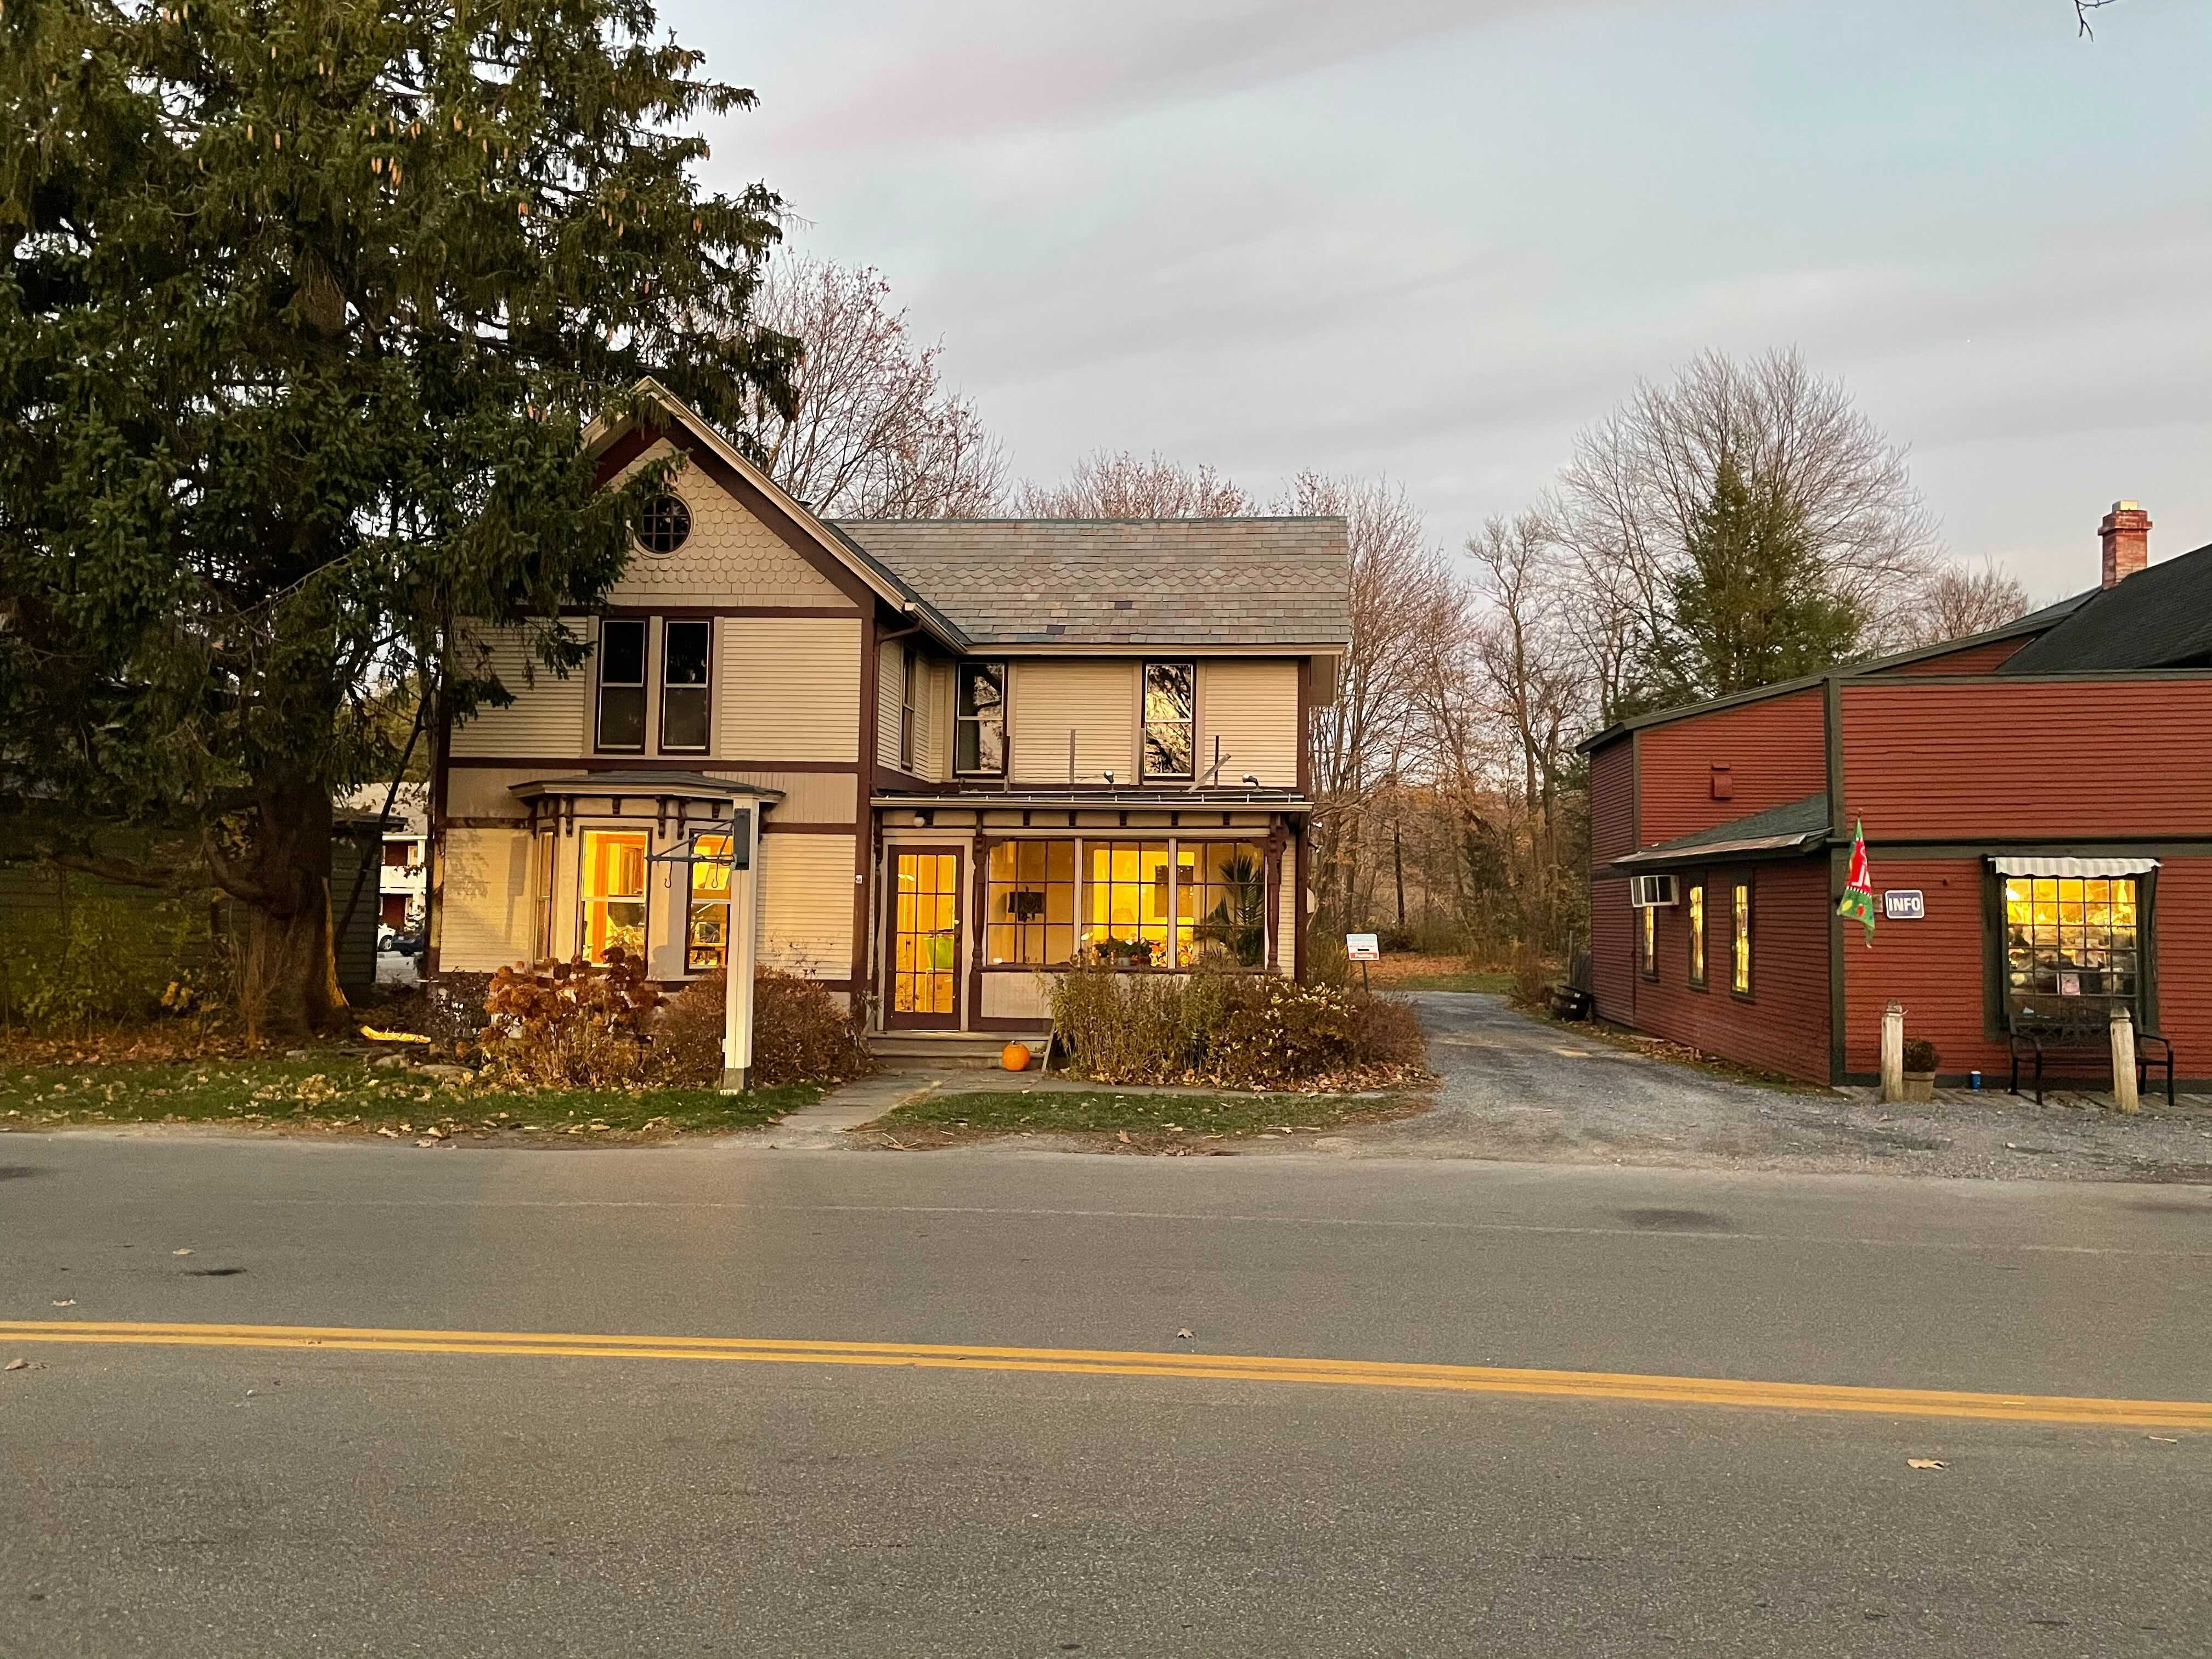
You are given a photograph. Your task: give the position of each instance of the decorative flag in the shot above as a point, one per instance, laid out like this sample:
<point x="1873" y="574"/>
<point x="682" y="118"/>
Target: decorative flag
<point x="1858" y="885"/>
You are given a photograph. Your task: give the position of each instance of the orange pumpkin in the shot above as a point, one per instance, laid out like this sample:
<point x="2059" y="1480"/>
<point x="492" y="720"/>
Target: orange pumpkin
<point x="1015" y="1057"/>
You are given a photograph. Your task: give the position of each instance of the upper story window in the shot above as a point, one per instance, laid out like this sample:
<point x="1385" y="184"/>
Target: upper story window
<point x="663" y="526"/>
<point x="907" y="671"/>
<point x="979" y="711"/>
<point x="686" y="685"/>
<point x="1170" y="719"/>
<point x="622" y="684"/>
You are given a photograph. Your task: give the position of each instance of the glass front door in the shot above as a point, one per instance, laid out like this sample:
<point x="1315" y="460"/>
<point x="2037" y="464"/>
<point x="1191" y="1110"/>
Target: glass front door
<point x="925" y="954"/>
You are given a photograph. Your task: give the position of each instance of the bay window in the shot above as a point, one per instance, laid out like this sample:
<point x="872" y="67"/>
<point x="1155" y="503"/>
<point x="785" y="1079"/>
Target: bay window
<point x="613" y="894"/>
<point x="707" y="926"/>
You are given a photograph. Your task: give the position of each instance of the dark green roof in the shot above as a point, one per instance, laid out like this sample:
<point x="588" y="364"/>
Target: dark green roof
<point x="1777" y="829"/>
<point x="2160" y="617"/>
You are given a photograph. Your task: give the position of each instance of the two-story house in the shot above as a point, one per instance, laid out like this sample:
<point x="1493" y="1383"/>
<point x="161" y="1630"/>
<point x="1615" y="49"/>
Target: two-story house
<point x="977" y="748"/>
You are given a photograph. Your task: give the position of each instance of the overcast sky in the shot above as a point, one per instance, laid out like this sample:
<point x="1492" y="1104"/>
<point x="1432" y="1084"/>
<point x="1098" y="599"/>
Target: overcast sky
<point x="1433" y="237"/>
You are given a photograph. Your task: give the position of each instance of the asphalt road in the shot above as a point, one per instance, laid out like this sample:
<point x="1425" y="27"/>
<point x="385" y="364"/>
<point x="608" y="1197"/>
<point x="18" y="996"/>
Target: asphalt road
<point x="213" y="1500"/>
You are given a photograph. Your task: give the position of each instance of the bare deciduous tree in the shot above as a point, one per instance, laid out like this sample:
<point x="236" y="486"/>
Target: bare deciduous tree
<point x="1119" y="485"/>
<point x="875" y="434"/>
<point x="1960" y="601"/>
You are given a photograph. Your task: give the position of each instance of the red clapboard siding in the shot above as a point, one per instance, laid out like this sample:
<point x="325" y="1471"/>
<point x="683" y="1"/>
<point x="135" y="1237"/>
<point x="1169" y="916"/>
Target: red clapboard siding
<point x="1935" y="968"/>
<point x="1775" y="751"/>
<point x="1613" y="966"/>
<point x="1983" y="659"/>
<point x="2184" y="926"/>
<point x="1613" y="800"/>
<point x="1784" y="1026"/>
<point x="2048" y="759"/>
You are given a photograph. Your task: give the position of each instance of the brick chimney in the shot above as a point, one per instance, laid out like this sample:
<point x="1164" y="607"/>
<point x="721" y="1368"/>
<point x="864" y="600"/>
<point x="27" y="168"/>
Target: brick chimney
<point x="2125" y="534"/>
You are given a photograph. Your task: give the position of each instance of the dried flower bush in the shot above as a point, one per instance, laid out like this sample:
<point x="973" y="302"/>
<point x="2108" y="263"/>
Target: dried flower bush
<point x="800" y="1035"/>
<point x="569" y="1024"/>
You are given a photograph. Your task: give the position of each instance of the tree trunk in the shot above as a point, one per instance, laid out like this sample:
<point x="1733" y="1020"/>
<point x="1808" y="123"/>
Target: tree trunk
<point x="288" y="977"/>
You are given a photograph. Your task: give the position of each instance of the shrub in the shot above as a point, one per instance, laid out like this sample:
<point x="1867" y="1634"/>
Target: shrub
<point x="1328" y="962"/>
<point x="1920" y="1054"/>
<point x="569" y="1024"/>
<point x="100" y="961"/>
<point x="800" y="1035"/>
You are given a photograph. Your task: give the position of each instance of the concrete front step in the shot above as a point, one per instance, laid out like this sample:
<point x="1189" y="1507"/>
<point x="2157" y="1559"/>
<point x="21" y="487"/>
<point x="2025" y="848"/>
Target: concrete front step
<point x="978" y="1049"/>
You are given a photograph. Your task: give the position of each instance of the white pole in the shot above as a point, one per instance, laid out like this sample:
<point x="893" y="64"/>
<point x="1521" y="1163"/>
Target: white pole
<point x="1892" y="1052"/>
<point x="737" y="956"/>
<point x="2124" y="1061"/>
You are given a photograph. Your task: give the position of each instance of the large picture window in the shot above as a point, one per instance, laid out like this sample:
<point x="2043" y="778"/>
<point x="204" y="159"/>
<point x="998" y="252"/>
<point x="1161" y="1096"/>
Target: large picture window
<point x="1697" y="903"/>
<point x="622" y="684"/>
<point x="1740" y="939"/>
<point x="706" y="929"/>
<point x="979" y="720"/>
<point x="1030" y="904"/>
<point x="2071" y="942"/>
<point x="613" y="894"/>
<point x="686" y="676"/>
<point x="1221" y="904"/>
<point x="1125" y="902"/>
<point x="1170" y="719"/>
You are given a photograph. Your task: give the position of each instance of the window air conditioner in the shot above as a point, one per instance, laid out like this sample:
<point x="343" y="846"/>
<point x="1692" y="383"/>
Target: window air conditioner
<point x="1645" y="891"/>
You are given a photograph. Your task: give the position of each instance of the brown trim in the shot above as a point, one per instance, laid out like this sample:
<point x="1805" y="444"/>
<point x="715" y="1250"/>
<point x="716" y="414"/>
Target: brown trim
<point x="645" y="655"/>
<point x="1305" y="729"/>
<point x="650" y="763"/>
<point x="483" y="823"/>
<point x="692" y="612"/>
<point x="1832" y="739"/>
<point x="889" y="777"/>
<point x="891" y="1021"/>
<point x="979" y="895"/>
<point x="621" y="452"/>
<point x="864" y="863"/>
<point x="1298" y="904"/>
<point x="1012" y="1022"/>
<point x="1838" y="1021"/>
<point x="712" y="687"/>
<point x="837" y="573"/>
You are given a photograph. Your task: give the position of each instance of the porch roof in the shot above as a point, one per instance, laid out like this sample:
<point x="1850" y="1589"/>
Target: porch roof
<point x="1095" y="799"/>
<point x="644" y="783"/>
<point x="1788" y="828"/>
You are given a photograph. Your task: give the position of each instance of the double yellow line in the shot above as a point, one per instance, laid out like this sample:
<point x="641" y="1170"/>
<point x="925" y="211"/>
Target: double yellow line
<point x="1093" y="1362"/>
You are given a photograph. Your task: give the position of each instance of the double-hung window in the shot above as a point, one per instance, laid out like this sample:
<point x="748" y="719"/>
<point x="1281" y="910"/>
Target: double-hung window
<point x="686" y="685"/>
<point x="1170" y="719"/>
<point x="1697" y="903"/>
<point x="907" y="669"/>
<point x="1740" y="939"/>
<point x="979" y="746"/>
<point x="622" y="684"/>
<point x="1647" y="943"/>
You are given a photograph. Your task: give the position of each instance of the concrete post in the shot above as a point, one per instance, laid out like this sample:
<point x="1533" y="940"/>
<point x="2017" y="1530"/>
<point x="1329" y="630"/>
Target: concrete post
<point x="2124" y="1061"/>
<point x="1892" y="1052"/>
<point x="737" y="956"/>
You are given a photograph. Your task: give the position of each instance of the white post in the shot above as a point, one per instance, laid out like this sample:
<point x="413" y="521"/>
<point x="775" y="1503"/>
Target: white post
<point x="2124" y="1061"/>
<point x="1892" y="1052"/>
<point x="738" y="974"/>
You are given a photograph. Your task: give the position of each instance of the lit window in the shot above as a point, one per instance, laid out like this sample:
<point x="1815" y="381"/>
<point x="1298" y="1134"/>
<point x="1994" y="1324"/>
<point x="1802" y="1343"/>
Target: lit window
<point x="1648" y="944"/>
<point x="1740" y="940"/>
<point x="613" y="894"/>
<point x="1126" y="899"/>
<point x="542" y="855"/>
<point x="1698" y="934"/>
<point x="707" y="932"/>
<point x="1221" y="903"/>
<point x="686" y="659"/>
<point x="1030" y="908"/>
<point x="1170" y="719"/>
<point x="2071" y="941"/>
<point x="979" y="714"/>
<point x="925" y="935"/>
<point x="622" y="684"/>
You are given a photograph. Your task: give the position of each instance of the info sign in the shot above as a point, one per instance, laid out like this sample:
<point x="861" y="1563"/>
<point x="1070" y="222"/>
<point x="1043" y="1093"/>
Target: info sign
<point x="1363" y="947"/>
<point x="1904" y="904"/>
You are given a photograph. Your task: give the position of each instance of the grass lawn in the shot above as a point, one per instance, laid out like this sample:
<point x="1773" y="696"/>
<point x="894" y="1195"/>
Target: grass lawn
<point x="339" y="1093"/>
<point x="1132" y="1117"/>
<point x="1409" y="970"/>
<point x="1499" y="983"/>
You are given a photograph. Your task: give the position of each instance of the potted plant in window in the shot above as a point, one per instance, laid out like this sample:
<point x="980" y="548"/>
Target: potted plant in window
<point x="1125" y="952"/>
<point x="1920" y="1062"/>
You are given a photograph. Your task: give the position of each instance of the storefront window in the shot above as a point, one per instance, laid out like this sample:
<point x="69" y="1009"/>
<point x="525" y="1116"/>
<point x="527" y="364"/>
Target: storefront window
<point x="2071" y="941"/>
<point x="1126" y="908"/>
<point x="707" y="934"/>
<point x="1030" y="909"/>
<point x="1740" y="939"/>
<point x="1698" y="934"/>
<point x="614" y="893"/>
<point x="1221" y="904"/>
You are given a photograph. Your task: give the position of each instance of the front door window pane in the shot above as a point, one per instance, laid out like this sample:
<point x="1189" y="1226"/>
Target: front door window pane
<point x="925" y="932"/>
<point x="614" y="894"/>
<point x="706" y="934"/>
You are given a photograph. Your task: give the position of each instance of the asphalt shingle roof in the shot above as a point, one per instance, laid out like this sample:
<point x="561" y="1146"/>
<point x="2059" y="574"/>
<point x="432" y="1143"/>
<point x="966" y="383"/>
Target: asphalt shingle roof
<point x="1803" y="821"/>
<point x="2160" y="617"/>
<point x="1122" y="581"/>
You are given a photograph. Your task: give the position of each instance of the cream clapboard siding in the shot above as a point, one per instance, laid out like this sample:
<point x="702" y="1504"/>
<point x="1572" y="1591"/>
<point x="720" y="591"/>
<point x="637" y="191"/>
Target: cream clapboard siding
<point x="730" y="558"/>
<point x="890" y="666"/>
<point x="808" y="797"/>
<point x="932" y="680"/>
<point x="548" y="715"/>
<point x="1287" y="900"/>
<point x="1253" y="708"/>
<point x="791" y="688"/>
<point x="485" y="919"/>
<point x="806" y="905"/>
<point x="1097" y="700"/>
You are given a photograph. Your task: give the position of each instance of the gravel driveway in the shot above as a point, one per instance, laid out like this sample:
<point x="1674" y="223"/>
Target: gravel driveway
<point x="1519" y="1088"/>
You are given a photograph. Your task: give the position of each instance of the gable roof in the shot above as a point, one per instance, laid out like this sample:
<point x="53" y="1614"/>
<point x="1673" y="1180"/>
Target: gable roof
<point x="2160" y="617"/>
<point x="1180" y="582"/>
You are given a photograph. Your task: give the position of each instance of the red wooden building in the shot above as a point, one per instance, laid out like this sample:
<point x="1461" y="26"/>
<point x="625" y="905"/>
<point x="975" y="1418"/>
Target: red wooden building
<point x="2039" y="795"/>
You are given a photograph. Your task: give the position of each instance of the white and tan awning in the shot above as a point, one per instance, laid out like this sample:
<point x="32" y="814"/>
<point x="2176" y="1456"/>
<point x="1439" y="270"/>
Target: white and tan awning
<point x="2016" y="863"/>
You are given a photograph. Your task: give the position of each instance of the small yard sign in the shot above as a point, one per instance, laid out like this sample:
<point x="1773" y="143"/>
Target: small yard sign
<point x="1363" y="947"/>
<point x="1904" y="904"/>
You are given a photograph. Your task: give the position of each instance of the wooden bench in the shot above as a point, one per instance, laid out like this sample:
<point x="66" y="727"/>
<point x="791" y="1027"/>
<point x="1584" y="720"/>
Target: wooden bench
<point x="2074" y="1043"/>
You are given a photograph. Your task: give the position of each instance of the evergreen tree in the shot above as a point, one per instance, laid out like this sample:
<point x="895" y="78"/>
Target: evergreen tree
<point x="1750" y="605"/>
<point x="305" y="305"/>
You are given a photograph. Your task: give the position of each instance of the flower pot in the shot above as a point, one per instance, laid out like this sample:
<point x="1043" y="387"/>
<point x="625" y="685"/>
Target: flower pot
<point x="1920" y="1085"/>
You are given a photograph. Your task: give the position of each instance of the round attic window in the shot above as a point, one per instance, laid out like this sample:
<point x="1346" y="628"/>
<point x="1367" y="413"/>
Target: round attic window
<point x="665" y="525"/>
